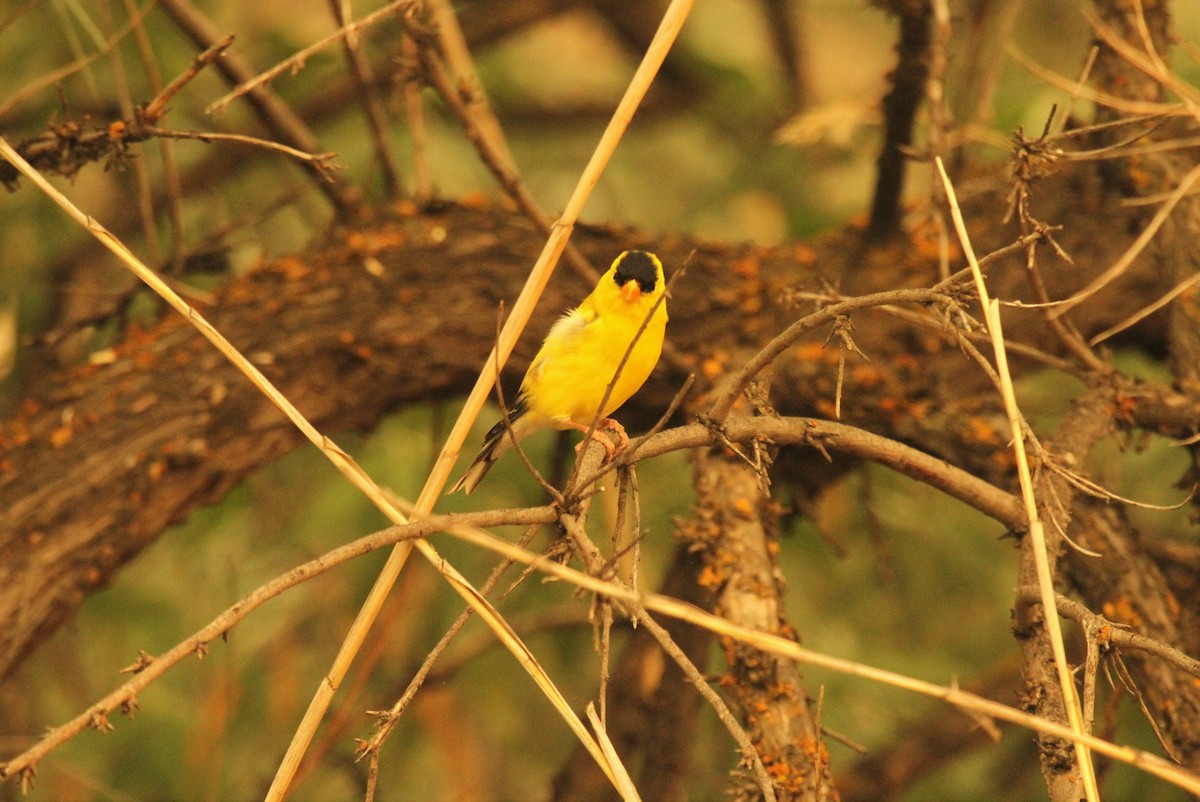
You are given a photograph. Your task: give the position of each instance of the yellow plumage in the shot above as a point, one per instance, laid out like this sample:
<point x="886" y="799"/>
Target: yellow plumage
<point x="567" y="380"/>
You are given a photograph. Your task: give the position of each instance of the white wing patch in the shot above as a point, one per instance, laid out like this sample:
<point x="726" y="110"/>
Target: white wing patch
<point x="568" y="326"/>
<point x="564" y="330"/>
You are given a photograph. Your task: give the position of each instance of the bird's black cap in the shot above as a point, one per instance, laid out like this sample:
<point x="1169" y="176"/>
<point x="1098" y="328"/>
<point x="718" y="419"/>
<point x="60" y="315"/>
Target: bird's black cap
<point x="639" y="266"/>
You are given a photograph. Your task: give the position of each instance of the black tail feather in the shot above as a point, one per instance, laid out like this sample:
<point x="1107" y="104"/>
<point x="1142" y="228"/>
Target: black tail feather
<point x="492" y="448"/>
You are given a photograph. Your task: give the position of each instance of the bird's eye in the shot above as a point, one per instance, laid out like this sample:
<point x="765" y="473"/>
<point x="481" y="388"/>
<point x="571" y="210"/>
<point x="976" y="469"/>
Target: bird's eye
<point x="638" y="266"/>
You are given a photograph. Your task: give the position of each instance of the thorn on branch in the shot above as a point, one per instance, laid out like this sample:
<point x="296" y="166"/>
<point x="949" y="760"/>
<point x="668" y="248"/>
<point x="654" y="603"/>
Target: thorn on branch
<point x="841" y="329"/>
<point x="26" y="776"/>
<point x="143" y="662"/>
<point x="1032" y="159"/>
<point x="100" y="723"/>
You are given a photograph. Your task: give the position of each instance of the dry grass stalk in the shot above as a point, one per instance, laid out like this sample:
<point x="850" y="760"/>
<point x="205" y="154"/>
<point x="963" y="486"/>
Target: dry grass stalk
<point x="991" y="311"/>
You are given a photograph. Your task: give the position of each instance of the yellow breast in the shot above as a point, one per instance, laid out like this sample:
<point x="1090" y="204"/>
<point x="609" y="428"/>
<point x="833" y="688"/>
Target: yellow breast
<point x="581" y="355"/>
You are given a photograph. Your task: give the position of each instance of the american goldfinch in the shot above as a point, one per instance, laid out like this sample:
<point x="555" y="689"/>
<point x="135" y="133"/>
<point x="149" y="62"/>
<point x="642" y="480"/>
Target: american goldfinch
<point x="566" y="381"/>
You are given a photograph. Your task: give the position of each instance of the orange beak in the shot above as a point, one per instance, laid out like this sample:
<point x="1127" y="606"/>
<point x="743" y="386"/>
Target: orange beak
<point x="631" y="291"/>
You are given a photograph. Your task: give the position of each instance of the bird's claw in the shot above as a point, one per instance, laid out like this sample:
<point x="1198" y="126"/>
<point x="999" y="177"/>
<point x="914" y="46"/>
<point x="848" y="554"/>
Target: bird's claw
<point x="608" y="424"/>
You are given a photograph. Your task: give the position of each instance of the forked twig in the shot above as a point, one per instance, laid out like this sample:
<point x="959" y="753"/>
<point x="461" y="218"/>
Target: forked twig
<point x="991" y="311"/>
<point x="387" y="719"/>
<point x="373" y="109"/>
<point x="283" y="123"/>
<point x="1122" y="264"/>
<point x="474" y="118"/>
<point x="1147" y="310"/>
<point x="785" y="339"/>
<point x="295" y="62"/>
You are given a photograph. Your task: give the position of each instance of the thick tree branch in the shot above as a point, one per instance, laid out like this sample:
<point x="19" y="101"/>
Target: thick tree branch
<point x="102" y="457"/>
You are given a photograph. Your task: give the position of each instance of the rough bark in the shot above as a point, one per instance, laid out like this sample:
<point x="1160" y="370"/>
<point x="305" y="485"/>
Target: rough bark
<point x="736" y="530"/>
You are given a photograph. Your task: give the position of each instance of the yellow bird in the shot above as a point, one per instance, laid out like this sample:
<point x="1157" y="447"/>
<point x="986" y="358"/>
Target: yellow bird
<point x="566" y="381"/>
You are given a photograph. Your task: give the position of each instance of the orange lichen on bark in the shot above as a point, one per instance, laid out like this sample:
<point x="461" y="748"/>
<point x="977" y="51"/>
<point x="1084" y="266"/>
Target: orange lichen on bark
<point x="710" y="578"/>
<point x="156" y="469"/>
<point x="803" y="254"/>
<point x="980" y="431"/>
<point x="292" y="268"/>
<point x="866" y="376"/>
<point x="712" y="367"/>
<point x="375" y="241"/>
<point x="1122" y="611"/>
<point x="811" y="352"/>
<point x="1124" y="408"/>
<point x="61" y="435"/>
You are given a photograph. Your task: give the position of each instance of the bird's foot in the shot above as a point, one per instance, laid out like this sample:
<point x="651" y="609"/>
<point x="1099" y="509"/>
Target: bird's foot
<point x="607" y="424"/>
<point x="614" y="426"/>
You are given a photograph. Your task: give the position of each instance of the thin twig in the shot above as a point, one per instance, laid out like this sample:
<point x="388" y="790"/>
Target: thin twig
<point x="172" y="182"/>
<point x="785" y="339"/>
<point x="373" y="110"/>
<point x="57" y="77"/>
<point x="573" y="523"/>
<point x="141" y="170"/>
<point x="388" y="719"/>
<point x="321" y="162"/>
<point x="991" y="312"/>
<point x="418" y="131"/>
<point x="624" y="783"/>
<point x="1095" y="95"/>
<point x="1147" y="310"/>
<point x="295" y="62"/>
<point x="454" y="46"/>
<point x="1134" y="250"/>
<point x="279" y="119"/>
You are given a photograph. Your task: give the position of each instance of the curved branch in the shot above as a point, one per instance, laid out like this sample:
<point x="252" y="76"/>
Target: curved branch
<point x="828" y="435"/>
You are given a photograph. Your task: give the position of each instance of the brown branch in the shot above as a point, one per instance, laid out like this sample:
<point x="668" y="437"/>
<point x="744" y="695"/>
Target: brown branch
<point x="498" y="162"/>
<point x="736" y="530"/>
<point x="572" y="521"/>
<point x="900" y="109"/>
<point x="831" y="436"/>
<point x="804" y="325"/>
<point x="170" y="169"/>
<point x="297" y="60"/>
<point x="1129" y="588"/>
<point x="1119" y="634"/>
